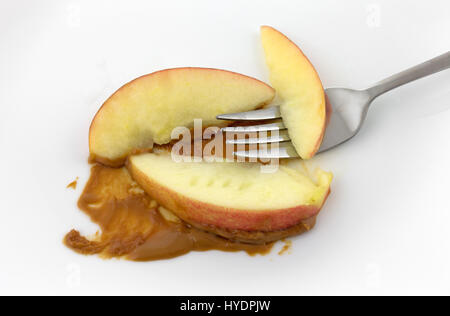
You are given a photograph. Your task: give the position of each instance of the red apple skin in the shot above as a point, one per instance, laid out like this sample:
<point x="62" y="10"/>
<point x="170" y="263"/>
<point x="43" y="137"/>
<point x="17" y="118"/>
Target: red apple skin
<point x="120" y="161"/>
<point x="248" y="226"/>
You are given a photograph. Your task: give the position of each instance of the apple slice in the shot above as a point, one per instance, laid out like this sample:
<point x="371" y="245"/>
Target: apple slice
<point x="146" y="110"/>
<point x="235" y="200"/>
<point x="303" y="107"/>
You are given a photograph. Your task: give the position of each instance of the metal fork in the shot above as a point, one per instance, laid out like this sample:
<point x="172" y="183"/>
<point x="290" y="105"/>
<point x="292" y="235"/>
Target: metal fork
<point x="348" y="107"/>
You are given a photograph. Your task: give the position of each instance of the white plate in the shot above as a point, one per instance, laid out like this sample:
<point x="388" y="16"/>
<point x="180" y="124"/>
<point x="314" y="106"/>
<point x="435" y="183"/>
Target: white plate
<point x="384" y="229"/>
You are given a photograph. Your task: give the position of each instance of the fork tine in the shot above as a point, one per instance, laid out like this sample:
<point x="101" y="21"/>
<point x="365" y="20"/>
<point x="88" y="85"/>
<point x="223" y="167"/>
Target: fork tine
<point x="270" y="152"/>
<point x="254" y="128"/>
<point x="281" y="137"/>
<point x="257" y="115"/>
<point x="287" y="151"/>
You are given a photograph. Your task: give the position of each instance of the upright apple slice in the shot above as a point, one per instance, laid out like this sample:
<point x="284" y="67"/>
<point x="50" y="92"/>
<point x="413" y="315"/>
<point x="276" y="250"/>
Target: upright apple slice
<point x="303" y="107"/>
<point x="146" y="110"/>
<point x="235" y="200"/>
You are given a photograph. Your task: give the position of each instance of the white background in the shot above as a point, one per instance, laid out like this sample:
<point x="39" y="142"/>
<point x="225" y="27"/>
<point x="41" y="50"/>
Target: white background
<point x="385" y="228"/>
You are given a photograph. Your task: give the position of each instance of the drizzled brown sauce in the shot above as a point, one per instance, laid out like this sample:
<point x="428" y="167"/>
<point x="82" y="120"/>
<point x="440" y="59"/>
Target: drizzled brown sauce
<point x="73" y="184"/>
<point x="132" y="226"/>
<point x="286" y="248"/>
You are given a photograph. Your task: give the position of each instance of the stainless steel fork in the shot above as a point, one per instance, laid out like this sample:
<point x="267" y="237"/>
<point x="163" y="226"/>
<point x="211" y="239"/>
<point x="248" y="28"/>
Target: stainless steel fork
<point x="349" y="109"/>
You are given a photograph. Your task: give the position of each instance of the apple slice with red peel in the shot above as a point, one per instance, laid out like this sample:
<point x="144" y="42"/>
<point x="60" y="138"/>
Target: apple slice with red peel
<point x="235" y="200"/>
<point x="295" y="80"/>
<point x="146" y="110"/>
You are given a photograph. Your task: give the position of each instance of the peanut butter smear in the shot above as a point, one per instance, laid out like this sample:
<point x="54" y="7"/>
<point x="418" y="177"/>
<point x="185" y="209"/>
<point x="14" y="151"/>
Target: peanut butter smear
<point x="133" y="228"/>
<point x="287" y="246"/>
<point x="73" y="184"/>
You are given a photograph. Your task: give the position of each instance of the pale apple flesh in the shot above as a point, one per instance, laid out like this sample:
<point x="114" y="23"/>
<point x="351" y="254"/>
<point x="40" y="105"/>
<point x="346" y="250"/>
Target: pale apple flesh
<point x="233" y="199"/>
<point x="295" y="80"/>
<point x="146" y="110"/>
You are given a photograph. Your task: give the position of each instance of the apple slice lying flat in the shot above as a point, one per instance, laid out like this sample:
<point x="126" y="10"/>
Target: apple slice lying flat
<point x="303" y="107"/>
<point x="146" y="110"/>
<point x="235" y="200"/>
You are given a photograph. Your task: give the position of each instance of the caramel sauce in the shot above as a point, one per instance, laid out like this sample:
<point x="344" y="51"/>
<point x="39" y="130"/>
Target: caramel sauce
<point x="133" y="228"/>
<point x="73" y="184"/>
<point x="286" y="248"/>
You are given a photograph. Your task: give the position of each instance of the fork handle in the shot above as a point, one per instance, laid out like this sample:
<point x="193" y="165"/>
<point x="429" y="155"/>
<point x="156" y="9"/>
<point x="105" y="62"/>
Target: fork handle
<point x="427" y="68"/>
